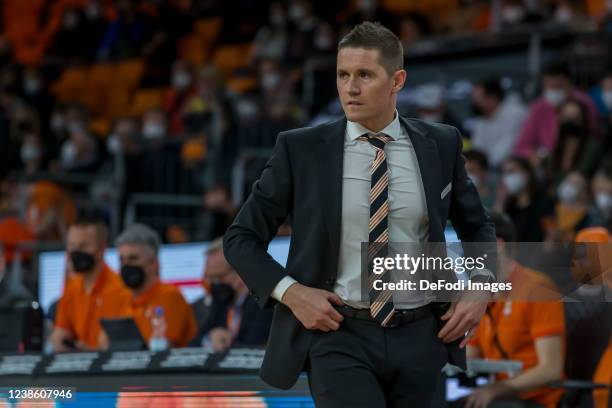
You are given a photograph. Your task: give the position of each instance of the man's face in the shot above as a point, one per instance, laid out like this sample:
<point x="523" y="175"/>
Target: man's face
<point x="556" y="82"/>
<point x="139" y="255"/>
<point x="217" y="270"/>
<point x="84" y="239"/>
<point x="366" y="90"/>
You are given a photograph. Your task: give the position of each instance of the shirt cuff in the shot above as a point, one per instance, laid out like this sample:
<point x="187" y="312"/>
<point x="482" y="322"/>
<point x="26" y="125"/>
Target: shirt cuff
<point x="282" y="286"/>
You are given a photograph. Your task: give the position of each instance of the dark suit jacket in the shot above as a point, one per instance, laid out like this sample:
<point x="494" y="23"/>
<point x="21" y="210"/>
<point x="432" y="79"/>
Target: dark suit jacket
<point x="254" y="323"/>
<point x="302" y="181"/>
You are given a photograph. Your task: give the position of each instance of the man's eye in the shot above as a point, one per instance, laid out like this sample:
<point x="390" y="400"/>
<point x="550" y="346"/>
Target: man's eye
<point x="365" y="75"/>
<point x="342" y="75"/>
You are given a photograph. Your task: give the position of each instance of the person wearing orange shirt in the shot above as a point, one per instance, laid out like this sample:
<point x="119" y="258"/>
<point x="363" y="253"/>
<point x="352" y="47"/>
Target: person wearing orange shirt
<point x="529" y="331"/>
<point x="95" y="292"/>
<point x="138" y="248"/>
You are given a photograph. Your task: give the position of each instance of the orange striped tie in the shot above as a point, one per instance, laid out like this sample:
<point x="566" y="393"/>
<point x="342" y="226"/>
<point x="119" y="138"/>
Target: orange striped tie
<point x="381" y="302"/>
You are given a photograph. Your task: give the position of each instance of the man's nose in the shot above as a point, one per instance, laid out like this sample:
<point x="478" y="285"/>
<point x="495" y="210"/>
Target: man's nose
<point x="352" y="87"/>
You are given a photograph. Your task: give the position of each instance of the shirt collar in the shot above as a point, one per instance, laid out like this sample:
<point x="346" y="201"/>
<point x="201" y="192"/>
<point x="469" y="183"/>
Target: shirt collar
<point x="393" y="129"/>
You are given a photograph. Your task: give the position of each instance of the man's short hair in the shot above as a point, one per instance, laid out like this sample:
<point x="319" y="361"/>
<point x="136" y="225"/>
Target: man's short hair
<point x="140" y="234"/>
<point x="557" y="68"/>
<point x="95" y="222"/>
<point x="478" y="157"/>
<point x="374" y="36"/>
<point x="491" y="87"/>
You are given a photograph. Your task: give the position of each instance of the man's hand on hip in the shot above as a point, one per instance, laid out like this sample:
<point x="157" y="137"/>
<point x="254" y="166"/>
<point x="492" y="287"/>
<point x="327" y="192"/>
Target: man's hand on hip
<point x="313" y="307"/>
<point x="461" y="319"/>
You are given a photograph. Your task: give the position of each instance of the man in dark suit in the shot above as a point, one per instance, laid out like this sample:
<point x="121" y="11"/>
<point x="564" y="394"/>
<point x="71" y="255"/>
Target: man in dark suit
<point x="370" y="177"/>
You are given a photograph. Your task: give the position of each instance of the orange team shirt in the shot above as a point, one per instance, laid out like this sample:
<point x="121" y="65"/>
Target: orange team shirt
<point x="180" y="323"/>
<point x="80" y="312"/>
<point x="519" y="324"/>
<point x="603" y="375"/>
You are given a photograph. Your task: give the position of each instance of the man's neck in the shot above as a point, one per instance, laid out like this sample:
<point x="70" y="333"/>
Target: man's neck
<point x="144" y="288"/>
<point x="89" y="279"/>
<point x="379" y="123"/>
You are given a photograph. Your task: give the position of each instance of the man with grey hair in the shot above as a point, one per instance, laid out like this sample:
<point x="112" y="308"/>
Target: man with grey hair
<point x="138" y="248"/>
<point x="228" y="315"/>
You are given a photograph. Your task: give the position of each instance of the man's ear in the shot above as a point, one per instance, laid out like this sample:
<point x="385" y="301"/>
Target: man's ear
<point x="399" y="79"/>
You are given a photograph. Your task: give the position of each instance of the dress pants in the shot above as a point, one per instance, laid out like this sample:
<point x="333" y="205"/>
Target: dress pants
<point x="365" y="365"/>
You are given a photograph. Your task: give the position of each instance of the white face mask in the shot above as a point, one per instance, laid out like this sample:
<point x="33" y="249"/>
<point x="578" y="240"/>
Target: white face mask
<point x="181" y="80"/>
<point x="607" y="99"/>
<point x="31" y="86"/>
<point x="475" y="179"/>
<point x="57" y="122"/>
<point x="153" y="131"/>
<point x="113" y="144"/>
<point x="568" y="192"/>
<point x="68" y="155"/>
<point x="512" y="14"/>
<point x="270" y="81"/>
<point x="603" y="201"/>
<point x="555" y="96"/>
<point x="296" y="12"/>
<point x="324" y="42"/>
<point x="514" y="182"/>
<point x="564" y="14"/>
<point x="366" y="5"/>
<point x="29" y="152"/>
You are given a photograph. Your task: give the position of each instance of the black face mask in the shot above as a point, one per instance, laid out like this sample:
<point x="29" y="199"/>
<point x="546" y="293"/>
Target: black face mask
<point x="82" y="261"/>
<point x="222" y="293"/>
<point x="571" y="129"/>
<point x="133" y="276"/>
<point x="476" y="109"/>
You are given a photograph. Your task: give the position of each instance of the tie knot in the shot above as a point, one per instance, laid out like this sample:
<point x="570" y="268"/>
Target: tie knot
<point x="378" y="140"/>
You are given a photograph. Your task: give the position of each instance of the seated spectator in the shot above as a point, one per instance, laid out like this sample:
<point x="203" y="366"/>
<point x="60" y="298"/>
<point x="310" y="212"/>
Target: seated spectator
<point x="602" y="194"/>
<point x="575" y="149"/>
<point x="431" y="106"/>
<point x="477" y="167"/>
<point x="32" y="153"/>
<point x="138" y="248"/>
<point x="95" y="292"/>
<point x="538" y="136"/>
<point x="271" y="39"/>
<point x="519" y="196"/>
<point x="233" y="317"/>
<point x="572" y="211"/>
<point x="532" y="332"/>
<point x="12" y="292"/>
<point x="498" y="120"/>
<point x="181" y="88"/>
<point x="49" y="211"/>
<point x="154" y="126"/>
<point x="602" y="96"/>
<point x="413" y="27"/>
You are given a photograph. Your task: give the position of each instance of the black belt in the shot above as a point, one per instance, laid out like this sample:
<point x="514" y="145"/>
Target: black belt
<point x="400" y="317"/>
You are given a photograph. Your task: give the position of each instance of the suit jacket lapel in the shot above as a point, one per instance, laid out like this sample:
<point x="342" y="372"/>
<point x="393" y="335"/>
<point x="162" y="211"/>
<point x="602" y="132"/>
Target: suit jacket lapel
<point x="330" y="159"/>
<point x="429" y="166"/>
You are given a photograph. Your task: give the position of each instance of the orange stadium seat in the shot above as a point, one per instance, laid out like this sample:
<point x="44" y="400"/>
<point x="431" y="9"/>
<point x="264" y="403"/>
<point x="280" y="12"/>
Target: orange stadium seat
<point x="242" y="84"/>
<point x="129" y="73"/>
<point x="229" y="58"/>
<point x="70" y="86"/>
<point x="117" y="103"/>
<point x="193" y="49"/>
<point x="99" y="83"/>
<point x="208" y="29"/>
<point x="145" y="99"/>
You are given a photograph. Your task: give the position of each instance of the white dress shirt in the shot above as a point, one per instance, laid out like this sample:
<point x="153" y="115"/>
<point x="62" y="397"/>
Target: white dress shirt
<point x="408" y="220"/>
